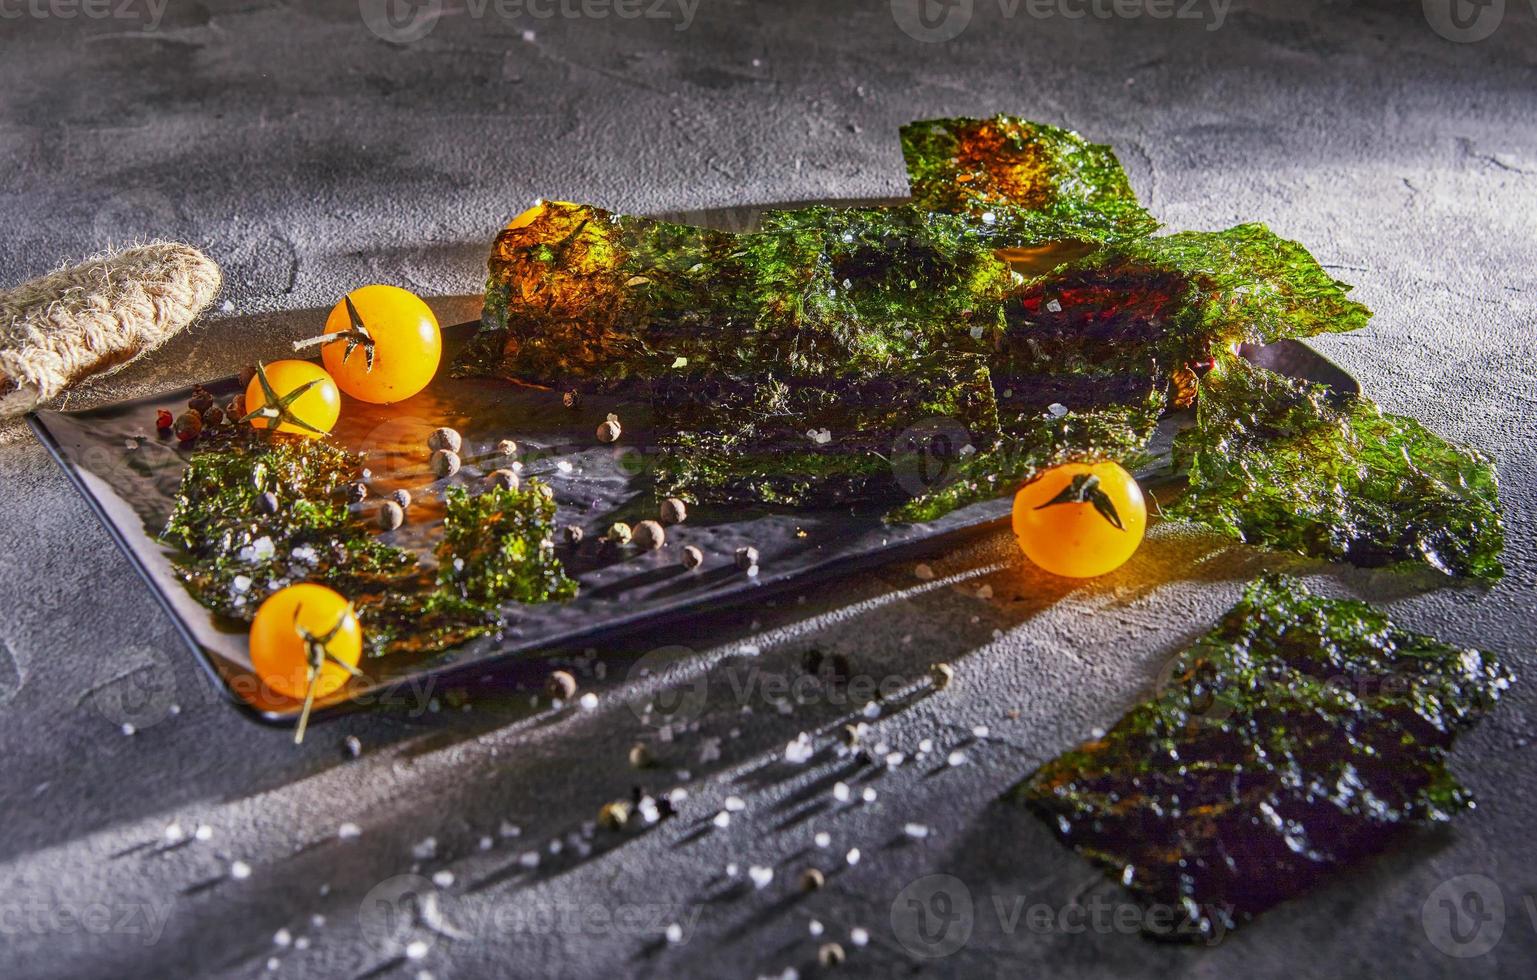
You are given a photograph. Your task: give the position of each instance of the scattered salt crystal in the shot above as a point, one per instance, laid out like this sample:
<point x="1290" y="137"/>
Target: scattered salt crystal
<point x="564" y="466"/>
<point x="509" y="829"/>
<point x="416" y="950"/>
<point x="895" y="759"/>
<point x="128" y="728"/>
<point x="486" y="843"/>
<point x="306" y="554"/>
<point x="554" y="846"/>
<point x="283" y="937"/>
<point x="814" y="927"/>
<point x="443" y="879"/>
<point x="735" y="804"/>
<point x="1055" y="306"/>
<point x="976" y="332"/>
<point x="272" y="963"/>
<point x="174" y="834"/>
<point x="852" y="857"/>
<point x="239" y="870"/>
<point x="980" y="731"/>
<point x="868" y="794"/>
<point x="923" y="572"/>
<point x="529" y="859"/>
<point x="425" y="848"/>
<point x="1056" y="410"/>
<point x="859" y="937"/>
<point x="203" y="832"/>
<point x="722" y="819"/>
<point x="985" y="592"/>
<point x="241" y="583"/>
<point x="303" y="942"/>
<point x="916" y="831"/>
<point x="318" y="921"/>
<point x="925" y="746"/>
<point x="841" y="791"/>
<point x="799" y="750"/>
<point x="732" y="870"/>
<point x="588" y="701"/>
<point x="760" y="875"/>
<point x="956" y="758"/>
<point x="822" y="839"/>
<point x="348" y="831"/>
<point x="674" y="934"/>
<point x="989" y="218"/>
<point x="871" y="710"/>
<point x="529" y="36"/>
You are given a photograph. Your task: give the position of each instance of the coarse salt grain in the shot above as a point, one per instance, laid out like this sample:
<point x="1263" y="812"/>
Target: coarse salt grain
<point x="239" y="870"/>
<point x="443" y="879"/>
<point x="916" y="831"/>
<point x="348" y="831"/>
<point x="760" y="876"/>
<point x="852" y="857"/>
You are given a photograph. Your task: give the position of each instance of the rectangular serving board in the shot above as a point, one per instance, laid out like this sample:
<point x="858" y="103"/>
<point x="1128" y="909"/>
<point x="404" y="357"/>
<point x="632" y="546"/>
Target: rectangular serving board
<point x="129" y="473"/>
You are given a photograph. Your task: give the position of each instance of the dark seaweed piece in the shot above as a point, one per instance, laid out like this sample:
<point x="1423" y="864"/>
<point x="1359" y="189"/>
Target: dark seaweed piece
<point x="1020" y="183"/>
<point x="1167" y="305"/>
<point x="577" y="295"/>
<point x="499" y="546"/>
<point x="798" y="440"/>
<point x="232" y="553"/>
<point x="1300" y="735"/>
<point x="1034" y="441"/>
<point x="1297" y="467"/>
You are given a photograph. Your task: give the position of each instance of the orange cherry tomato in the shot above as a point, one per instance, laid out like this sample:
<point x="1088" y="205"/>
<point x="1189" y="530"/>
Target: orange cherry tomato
<point x="317" y="407"/>
<point x="1080" y="520"/>
<point x="282" y="655"/>
<point x="405" y="340"/>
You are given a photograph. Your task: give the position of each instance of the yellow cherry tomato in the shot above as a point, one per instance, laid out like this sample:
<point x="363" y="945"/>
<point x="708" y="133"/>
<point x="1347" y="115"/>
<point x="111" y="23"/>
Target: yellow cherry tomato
<point x="299" y="635"/>
<point x="280" y="389"/>
<point x="1080" y="520"/>
<point x="400" y="332"/>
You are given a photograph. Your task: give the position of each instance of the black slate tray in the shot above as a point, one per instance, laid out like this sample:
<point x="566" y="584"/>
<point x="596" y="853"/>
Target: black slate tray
<point x="128" y="473"/>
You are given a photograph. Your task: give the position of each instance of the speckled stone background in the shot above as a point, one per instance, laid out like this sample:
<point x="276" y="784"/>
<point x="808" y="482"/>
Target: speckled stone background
<point x="310" y="152"/>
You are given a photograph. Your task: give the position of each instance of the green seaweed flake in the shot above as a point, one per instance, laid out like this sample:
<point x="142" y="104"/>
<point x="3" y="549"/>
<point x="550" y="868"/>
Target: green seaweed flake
<point x="499" y="546"/>
<point x="1297" y="737"/>
<point x="1296" y="467"/>
<point x="231" y="553"/>
<point x="1022" y="183"/>
<point x="1033" y="442"/>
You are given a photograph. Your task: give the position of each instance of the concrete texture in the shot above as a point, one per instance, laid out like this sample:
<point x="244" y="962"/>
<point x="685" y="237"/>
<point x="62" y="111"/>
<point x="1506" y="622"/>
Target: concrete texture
<point x="308" y="155"/>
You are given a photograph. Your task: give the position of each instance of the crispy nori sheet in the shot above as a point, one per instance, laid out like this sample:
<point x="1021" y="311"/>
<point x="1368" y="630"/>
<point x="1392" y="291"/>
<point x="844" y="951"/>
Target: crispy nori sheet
<point x="1021" y="183"/>
<point x="231" y="554"/>
<point x="799" y="440"/>
<point x="1296" y="467"/>
<point x="1300" y="735"/>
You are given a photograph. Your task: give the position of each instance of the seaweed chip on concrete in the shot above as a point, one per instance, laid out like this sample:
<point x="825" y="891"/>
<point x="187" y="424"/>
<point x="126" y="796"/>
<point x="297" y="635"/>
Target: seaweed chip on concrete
<point x="1299" y="736"/>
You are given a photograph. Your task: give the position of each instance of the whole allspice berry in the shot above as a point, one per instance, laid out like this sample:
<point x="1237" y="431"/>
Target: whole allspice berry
<point x="691" y="557"/>
<point x="812" y="879"/>
<point x="831" y="954"/>
<point x="214" y="416"/>
<point x="188" y="425"/>
<point x="619" y="533"/>
<point x="571" y="399"/>
<point x="247" y="375"/>
<point x="391" y="515"/>
<point x="445" y="462"/>
<point x="640" y="756"/>
<point x="507" y="447"/>
<point x="609" y="429"/>
<point x="401" y="497"/>
<point x="235" y="409"/>
<point x="673" y="511"/>
<point x="943" y="674"/>
<point x="502" y="479"/>
<point x="357" y="492"/>
<point x="648" y="535"/>
<point x="445" y="438"/>
<point x="614" y="815"/>
<point x="746" y="558"/>
<point x="561" y="685"/>
<point x="201" y="400"/>
<point x="572" y="533"/>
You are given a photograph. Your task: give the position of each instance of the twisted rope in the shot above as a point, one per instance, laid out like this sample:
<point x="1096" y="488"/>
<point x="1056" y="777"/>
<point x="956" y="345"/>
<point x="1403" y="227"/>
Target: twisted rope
<point x="97" y="316"/>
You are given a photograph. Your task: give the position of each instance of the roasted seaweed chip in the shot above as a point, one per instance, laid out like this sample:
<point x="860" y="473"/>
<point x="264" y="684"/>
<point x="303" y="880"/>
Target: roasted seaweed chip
<point x="1022" y="184"/>
<point x="1297" y="737"/>
<point x="1297" y="467"/>
<point x="232" y="552"/>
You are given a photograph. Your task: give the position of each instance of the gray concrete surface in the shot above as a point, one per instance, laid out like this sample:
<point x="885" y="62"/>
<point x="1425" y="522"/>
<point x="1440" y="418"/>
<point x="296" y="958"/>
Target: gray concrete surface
<point x="309" y="155"/>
